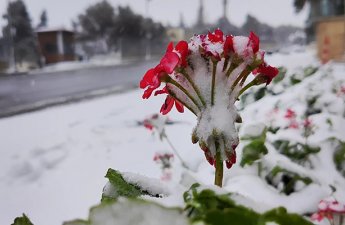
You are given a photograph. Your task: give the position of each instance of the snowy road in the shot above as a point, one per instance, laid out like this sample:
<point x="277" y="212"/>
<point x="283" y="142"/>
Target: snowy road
<point x="22" y="93"/>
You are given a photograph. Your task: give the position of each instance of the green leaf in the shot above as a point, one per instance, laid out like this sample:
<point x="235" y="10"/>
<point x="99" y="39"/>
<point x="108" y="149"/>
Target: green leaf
<point x="294" y="80"/>
<point x="120" y="187"/>
<point x="233" y="216"/>
<point x="339" y="157"/>
<point x="282" y="217"/>
<point x="253" y="151"/>
<point x="310" y="70"/>
<point x="129" y="211"/>
<point x="260" y="93"/>
<point x="24" y="220"/>
<point x="297" y="152"/>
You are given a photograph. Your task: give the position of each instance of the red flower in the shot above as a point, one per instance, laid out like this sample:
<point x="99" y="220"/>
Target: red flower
<point x="254" y="42"/>
<point x="290" y="114"/>
<point x="216" y="36"/>
<point x="267" y="72"/>
<point x="293" y="125"/>
<point x="307" y="122"/>
<point x="148" y="125"/>
<point x="169" y="103"/>
<point x="182" y="49"/>
<point x="228" y="45"/>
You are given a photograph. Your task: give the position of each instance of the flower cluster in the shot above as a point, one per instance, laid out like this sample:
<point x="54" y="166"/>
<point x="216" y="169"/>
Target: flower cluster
<point x="165" y="160"/>
<point x="157" y="123"/>
<point x="207" y="75"/>
<point x="329" y="208"/>
<point x="290" y="115"/>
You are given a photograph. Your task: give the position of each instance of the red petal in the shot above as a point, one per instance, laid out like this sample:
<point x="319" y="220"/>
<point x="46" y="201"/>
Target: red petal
<point x="228" y="45"/>
<point x="170" y="47"/>
<point x="147" y="78"/>
<point x="216" y="36"/>
<point x="179" y="106"/>
<point x="182" y="48"/>
<point x="163" y="91"/>
<point x="167" y="106"/>
<point x="228" y="164"/>
<point x="169" y="62"/>
<point x="209" y="158"/>
<point x="269" y="72"/>
<point x="148" y="92"/>
<point x="254" y="41"/>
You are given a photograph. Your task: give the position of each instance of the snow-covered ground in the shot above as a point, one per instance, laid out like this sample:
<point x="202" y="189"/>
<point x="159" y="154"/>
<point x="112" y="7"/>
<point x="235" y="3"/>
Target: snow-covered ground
<point x="53" y="161"/>
<point x="112" y="59"/>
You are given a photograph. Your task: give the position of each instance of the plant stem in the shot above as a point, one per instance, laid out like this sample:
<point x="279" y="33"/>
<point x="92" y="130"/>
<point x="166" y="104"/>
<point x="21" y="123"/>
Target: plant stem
<point x="173" y="82"/>
<point x="190" y="109"/>
<point x="218" y="177"/>
<point x="252" y="83"/>
<point x="196" y="89"/>
<point x="259" y="168"/>
<point x="214" y="68"/>
<point x="176" y="152"/>
<point x="231" y="68"/>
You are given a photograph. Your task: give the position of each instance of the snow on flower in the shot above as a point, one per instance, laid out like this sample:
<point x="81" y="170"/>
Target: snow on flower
<point x="329" y="208"/>
<point x="207" y="75"/>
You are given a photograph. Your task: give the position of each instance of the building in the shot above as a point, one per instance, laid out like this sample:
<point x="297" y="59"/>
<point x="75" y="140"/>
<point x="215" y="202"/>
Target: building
<point x="56" y="45"/>
<point x="330" y="38"/>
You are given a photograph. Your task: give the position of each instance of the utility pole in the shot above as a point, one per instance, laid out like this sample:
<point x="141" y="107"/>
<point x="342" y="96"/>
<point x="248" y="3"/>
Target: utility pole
<point x="12" y="34"/>
<point x="148" y="35"/>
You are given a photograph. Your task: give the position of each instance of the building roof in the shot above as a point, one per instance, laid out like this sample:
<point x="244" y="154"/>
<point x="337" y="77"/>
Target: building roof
<point x="53" y="29"/>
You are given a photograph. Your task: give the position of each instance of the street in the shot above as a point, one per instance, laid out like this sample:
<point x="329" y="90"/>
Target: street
<point x="24" y="93"/>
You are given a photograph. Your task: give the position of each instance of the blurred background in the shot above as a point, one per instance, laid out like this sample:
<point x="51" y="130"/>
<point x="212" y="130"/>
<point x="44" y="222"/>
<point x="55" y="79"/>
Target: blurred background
<point x="39" y="33"/>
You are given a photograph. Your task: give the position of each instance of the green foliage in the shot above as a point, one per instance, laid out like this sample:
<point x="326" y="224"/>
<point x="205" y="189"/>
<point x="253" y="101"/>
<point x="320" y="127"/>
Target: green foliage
<point x="297" y="152"/>
<point x="294" y="80"/>
<point x="24" y="220"/>
<point x="288" y="178"/>
<point x="254" y="150"/>
<point x="339" y="157"/>
<point x="282" y="217"/>
<point x="273" y="130"/>
<point x="213" y="209"/>
<point x="310" y="70"/>
<point x="311" y="108"/>
<point x="260" y="93"/>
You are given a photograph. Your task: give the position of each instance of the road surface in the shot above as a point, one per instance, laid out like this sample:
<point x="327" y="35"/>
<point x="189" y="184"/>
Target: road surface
<point x="24" y="93"/>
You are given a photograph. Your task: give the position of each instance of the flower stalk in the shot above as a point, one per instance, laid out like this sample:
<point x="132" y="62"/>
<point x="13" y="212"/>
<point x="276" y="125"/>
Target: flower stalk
<point x="218" y="178"/>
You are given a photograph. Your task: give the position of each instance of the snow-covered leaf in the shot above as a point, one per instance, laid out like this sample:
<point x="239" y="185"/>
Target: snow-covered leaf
<point x="133" y="212"/>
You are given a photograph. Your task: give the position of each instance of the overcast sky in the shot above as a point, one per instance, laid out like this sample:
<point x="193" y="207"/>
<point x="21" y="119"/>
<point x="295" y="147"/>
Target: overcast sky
<point x="273" y="12"/>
